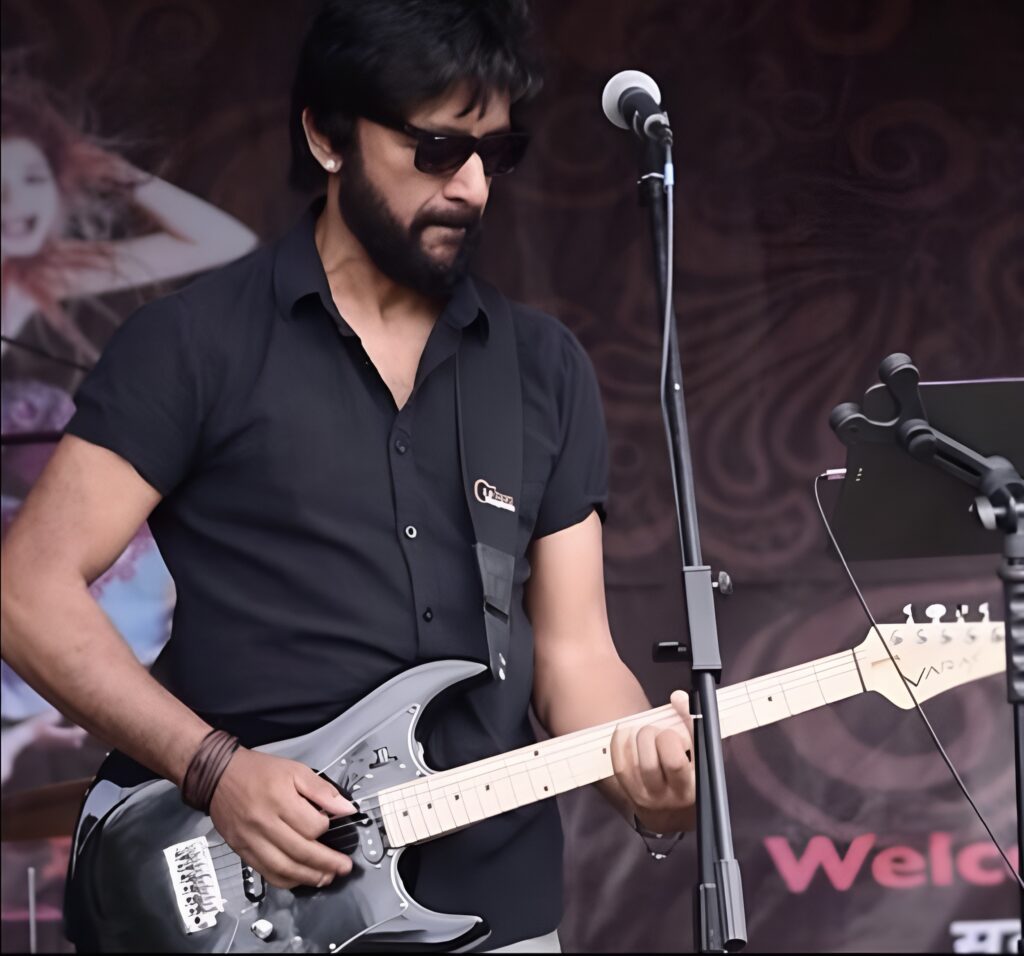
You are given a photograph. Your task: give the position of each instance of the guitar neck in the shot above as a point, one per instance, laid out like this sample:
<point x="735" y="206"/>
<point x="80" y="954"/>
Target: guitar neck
<point x="443" y="802"/>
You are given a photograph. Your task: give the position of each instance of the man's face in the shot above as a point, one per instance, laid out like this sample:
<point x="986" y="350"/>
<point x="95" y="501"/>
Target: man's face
<point x="419" y="229"/>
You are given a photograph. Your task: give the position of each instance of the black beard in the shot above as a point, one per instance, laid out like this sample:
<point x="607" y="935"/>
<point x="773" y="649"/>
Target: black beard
<point x="394" y="250"/>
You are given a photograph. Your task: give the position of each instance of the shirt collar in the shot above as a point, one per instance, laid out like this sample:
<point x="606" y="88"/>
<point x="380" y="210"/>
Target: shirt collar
<point x="299" y="274"/>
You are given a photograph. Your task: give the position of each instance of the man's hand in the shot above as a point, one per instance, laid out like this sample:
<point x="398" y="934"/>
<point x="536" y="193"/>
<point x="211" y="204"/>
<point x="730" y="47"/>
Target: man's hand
<point x="654" y="766"/>
<point x="271" y="812"/>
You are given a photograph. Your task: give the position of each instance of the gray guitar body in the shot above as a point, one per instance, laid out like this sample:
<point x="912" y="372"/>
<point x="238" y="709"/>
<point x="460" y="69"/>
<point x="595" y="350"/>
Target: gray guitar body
<point x="143" y="879"/>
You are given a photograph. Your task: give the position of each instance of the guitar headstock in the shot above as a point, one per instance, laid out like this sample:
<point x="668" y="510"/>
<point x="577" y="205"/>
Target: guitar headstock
<point x="949" y="647"/>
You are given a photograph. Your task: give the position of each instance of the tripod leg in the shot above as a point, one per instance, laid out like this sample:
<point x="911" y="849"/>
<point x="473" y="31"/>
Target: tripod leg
<point x="1012" y="573"/>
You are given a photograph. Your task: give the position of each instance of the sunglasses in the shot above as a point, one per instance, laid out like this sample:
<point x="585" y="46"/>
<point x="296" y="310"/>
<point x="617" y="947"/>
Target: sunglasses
<point x="439" y="153"/>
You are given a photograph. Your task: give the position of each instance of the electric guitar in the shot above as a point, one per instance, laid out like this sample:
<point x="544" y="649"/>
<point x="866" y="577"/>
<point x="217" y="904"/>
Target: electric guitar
<point x="148" y="873"/>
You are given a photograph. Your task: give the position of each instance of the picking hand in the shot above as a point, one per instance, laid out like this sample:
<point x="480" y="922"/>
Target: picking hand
<point x="271" y="811"/>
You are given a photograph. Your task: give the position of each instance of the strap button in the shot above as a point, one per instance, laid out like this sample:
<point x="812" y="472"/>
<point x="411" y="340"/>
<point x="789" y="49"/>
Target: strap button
<point x="410" y="531"/>
<point x="428" y="615"/>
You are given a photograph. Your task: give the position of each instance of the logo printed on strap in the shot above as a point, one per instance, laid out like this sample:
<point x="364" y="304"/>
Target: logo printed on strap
<point x="487" y="494"/>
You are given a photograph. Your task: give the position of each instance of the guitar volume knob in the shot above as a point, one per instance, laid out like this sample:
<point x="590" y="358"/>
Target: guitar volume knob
<point x="262" y="929"/>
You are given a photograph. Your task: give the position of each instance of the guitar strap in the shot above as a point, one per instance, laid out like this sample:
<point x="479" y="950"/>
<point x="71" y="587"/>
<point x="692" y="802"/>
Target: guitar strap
<point x="489" y="406"/>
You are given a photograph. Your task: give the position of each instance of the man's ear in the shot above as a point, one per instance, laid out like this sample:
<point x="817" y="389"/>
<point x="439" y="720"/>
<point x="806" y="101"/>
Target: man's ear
<point x="319" y="145"/>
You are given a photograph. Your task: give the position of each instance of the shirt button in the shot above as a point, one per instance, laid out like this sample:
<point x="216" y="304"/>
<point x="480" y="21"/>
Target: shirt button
<point x="410" y="531"/>
<point x="401" y="446"/>
<point x="428" y="615"/>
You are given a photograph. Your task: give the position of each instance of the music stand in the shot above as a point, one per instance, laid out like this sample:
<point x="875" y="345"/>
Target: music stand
<point x="891" y="507"/>
<point x="914" y="490"/>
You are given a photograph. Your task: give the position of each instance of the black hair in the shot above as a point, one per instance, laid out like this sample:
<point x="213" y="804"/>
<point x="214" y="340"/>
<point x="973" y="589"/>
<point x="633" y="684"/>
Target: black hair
<point x="384" y="58"/>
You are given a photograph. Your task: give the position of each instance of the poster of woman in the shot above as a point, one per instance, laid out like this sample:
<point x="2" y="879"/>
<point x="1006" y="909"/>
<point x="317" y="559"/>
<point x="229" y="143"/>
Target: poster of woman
<point x="80" y="222"/>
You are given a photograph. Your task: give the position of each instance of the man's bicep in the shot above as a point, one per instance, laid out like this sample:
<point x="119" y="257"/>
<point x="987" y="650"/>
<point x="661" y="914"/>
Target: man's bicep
<point x="565" y="597"/>
<point x="81" y="513"/>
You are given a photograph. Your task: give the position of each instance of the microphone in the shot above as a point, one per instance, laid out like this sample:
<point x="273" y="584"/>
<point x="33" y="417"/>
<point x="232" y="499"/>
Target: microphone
<point x="632" y="100"/>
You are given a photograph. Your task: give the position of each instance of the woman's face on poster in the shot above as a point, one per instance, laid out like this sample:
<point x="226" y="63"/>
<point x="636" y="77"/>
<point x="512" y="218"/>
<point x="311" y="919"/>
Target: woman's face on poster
<point x="31" y="201"/>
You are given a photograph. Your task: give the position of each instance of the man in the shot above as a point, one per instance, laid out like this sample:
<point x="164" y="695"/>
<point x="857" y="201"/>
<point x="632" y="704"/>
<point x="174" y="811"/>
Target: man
<point x="288" y="426"/>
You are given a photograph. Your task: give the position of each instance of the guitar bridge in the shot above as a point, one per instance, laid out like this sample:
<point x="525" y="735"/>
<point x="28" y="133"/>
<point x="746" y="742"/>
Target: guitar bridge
<point x="196" y="890"/>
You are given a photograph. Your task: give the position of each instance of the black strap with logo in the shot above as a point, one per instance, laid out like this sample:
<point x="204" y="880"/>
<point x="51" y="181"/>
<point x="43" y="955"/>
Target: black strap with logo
<point x="489" y="405"/>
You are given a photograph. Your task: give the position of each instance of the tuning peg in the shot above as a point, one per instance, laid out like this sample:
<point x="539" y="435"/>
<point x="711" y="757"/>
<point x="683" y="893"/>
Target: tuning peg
<point x="935" y="612"/>
<point x="983" y="608"/>
<point x="908" y="609"/>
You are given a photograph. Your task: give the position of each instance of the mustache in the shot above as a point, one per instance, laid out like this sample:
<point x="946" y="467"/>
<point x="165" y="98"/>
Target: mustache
<point x="457" y="220"/>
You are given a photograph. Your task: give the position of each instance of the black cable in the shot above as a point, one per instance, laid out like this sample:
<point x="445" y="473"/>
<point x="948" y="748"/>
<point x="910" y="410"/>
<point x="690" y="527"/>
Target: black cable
<point x="906" y="683"/>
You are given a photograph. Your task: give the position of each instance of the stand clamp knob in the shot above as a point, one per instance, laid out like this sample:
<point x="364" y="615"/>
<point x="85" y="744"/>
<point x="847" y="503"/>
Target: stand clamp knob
<point x="724" y="584"/>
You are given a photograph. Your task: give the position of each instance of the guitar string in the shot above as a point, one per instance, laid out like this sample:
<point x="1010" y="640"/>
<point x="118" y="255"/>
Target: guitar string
<point x="415" y="793"/>
<point x="425" y="790"/>
<point x="736" y="696"/>
<point x="229" y="859"/>
<point x="572" y="745"/>
<point x="920" y="710"/>
<point x="730" y="698"/>
<point x="346" y="827"/>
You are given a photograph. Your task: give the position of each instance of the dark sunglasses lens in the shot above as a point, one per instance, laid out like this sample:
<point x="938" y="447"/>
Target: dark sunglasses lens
<point x="503" y="152"/>
<point x="443" y="154"/>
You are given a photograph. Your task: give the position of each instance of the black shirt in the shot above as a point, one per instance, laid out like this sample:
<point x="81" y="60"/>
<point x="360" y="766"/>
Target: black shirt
<point x="290" y="480"/>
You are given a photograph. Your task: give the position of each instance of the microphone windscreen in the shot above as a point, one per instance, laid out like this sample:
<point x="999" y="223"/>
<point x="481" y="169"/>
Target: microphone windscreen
<point x="618" y="85"/>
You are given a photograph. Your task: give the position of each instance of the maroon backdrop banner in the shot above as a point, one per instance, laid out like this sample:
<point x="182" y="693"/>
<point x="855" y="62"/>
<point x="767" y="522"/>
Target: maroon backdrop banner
<point x="850" y="183"/>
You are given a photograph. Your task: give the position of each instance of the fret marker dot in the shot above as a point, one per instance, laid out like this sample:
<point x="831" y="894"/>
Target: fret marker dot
<point x="405" y="813"/>
<point x="536" y="753"/>
<point x="604" y="750"/>
<point x="456" y="796"/>
<point x="487" y="787"/>
<point x="430" y="806"/>
<point x="545" y="789"/>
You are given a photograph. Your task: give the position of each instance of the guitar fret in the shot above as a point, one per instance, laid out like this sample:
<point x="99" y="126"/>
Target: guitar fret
<point x="441" y="802"/>
<point x="444" y="813"/>
<point x="561" y="776"/>
<point x="540" y="778"/>
<point x="522" y="789"/>
<point x="495" y="785"/>
<point x="774" y="697"/>
<point x="430" y="816"/>
<point x="392" y="828"/>
<point x="457" y="807"/>
<point x="425" y="810"/>
<point x="419" y="824"/>
<point x="474" y="809"/>
<point x="503" y="791"/>
<point x="488" y="800"/>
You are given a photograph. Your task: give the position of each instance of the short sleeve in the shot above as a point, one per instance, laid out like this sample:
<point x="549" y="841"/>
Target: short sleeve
<point x="578" y="483"/>
<point x="141" y="400"/>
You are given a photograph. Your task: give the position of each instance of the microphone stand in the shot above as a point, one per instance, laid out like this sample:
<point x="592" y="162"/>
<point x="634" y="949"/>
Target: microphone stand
<point x="999" y="506"/>
<point x="719" y="916"/>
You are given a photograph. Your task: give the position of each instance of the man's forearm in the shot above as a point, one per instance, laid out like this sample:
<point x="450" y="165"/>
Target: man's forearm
<point x="575" y="695"/>
<point x="57" y="638"/>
